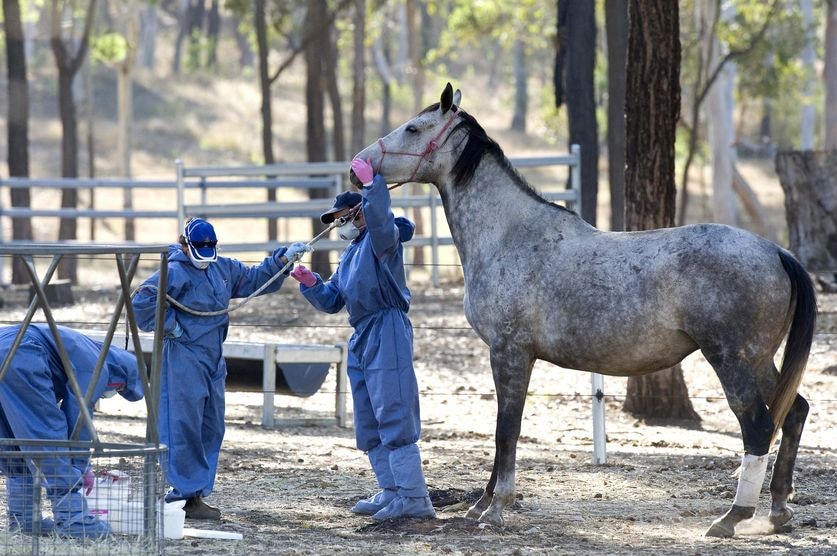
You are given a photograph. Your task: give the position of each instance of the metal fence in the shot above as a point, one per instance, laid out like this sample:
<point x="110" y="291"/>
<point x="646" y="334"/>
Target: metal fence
<point x="201" y="182"/>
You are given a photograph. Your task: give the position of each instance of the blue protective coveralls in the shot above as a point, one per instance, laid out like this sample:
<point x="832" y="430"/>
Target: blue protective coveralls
<point x="193" y="371"/>
<point x="370" y="283"/>
<point x="36" y="402"/>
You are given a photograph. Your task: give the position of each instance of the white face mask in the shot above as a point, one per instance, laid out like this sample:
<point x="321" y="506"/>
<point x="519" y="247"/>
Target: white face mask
<point x="108" y="393"/>
<point x="348" y="231"/>
<point x="198" y="264"/>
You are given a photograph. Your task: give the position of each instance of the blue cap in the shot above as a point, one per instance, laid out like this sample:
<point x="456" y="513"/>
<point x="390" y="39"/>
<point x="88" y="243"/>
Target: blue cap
<point x="347" y="199"/>
<point x="200" y="237"/>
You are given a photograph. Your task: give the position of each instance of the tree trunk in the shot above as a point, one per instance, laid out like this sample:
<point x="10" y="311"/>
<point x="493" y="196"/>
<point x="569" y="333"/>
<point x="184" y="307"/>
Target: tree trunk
<point x="148" y="36"/>
<point x="197" y="13"/>
<point x="184" y="10"/>
<point x="68" y="66"/>
<point x="17" y="130"/>
<point x="521" y="92"/>
<point x="653" y="85"/>
<point x="830" y="75"/>
<point x="380" y="51"/>
<point x="358" y="140"/>
<point x="809" y="59"/>
<point x="719" y="122"/>
<point x="67" y="268"/>
<point x="125" y="101"/>
<point x="750" y="201"/>
<point x="809" y="180"/>
<point x="245" y="53"/>
<point x="315" y="136"/>
<point x="329" y="65"/>
<point x="259" y="22"/>
<point x="580" y="29"/>
<point x="213" y="32"/>
<point x="126" y="107"/>
<point x="660" y="395"/>
<point x="616" y="23"/>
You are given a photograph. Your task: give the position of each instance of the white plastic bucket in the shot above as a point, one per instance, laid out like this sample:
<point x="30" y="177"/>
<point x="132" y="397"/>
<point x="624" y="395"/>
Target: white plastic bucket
<point x="127" y="518"/>
<point x="173" y="518"/>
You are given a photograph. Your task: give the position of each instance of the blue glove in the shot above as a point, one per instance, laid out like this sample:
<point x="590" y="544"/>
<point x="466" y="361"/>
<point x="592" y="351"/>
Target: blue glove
<point x="177" y="332"/>
<point x="296" y="250"/>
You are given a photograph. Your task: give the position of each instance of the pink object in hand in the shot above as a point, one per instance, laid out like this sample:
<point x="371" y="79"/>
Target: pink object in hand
<point x="363" y="170"/>
<point x="88" y="480"/>
<point x="304" y="276"/>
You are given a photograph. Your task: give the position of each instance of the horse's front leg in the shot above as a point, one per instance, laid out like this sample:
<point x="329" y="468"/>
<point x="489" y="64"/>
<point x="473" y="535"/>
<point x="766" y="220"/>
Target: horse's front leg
<point x="511" y="367"/>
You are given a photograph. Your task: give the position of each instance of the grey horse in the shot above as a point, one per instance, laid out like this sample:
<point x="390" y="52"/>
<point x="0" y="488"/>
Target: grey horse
<point x="541" y="283"/>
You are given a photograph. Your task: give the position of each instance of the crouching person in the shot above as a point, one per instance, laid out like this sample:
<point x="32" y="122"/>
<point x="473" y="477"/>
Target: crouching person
<point x="370" y="283"/>
<point x="36" y="402"/>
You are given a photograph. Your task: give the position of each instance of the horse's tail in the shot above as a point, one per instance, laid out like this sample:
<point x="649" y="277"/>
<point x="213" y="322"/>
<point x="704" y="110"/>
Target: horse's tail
<point x="798" y="345"/>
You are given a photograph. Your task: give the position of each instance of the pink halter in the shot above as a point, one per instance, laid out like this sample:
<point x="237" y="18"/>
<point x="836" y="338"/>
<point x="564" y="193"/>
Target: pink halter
<point x="431" y="146"/>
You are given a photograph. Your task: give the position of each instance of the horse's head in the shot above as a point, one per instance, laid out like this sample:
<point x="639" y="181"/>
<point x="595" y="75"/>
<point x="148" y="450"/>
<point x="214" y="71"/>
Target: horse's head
<point x="418" y="150"/>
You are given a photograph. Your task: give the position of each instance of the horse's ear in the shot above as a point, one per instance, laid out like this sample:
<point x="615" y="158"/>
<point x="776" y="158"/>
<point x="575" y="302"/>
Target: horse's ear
<point x="446" y="101"/>
<point x="457" y="98"/>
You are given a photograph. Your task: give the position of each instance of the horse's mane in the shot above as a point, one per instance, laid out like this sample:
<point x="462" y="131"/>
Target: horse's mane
<point x="479" y="144"/>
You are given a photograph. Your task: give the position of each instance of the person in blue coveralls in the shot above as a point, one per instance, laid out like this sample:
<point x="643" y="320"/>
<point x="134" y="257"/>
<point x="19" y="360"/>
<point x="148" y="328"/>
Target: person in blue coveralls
<point x="370" y="283"/>
<point x="36" y="402"/>
<point x="191" y="420"/>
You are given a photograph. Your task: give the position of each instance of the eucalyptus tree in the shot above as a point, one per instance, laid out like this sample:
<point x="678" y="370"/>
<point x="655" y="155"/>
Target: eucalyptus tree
<point x="653" y="90"/>
<point x="69" y="49"/>
<point x="17" y="128"/>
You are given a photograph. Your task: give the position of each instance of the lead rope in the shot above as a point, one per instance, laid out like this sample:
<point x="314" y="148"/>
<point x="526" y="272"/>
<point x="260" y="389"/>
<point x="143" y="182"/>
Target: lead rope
<point x="337" y="222"/>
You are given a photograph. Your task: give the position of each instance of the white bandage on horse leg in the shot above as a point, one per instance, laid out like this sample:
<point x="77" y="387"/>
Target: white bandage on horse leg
<point x="752" y="471"/>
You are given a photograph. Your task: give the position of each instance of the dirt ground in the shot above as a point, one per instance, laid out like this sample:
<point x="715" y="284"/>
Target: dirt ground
<point x="288" y="490"/>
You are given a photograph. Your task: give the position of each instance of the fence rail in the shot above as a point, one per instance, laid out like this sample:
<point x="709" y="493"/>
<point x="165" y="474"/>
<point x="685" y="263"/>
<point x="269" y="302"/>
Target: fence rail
<point x="302" y="176"/>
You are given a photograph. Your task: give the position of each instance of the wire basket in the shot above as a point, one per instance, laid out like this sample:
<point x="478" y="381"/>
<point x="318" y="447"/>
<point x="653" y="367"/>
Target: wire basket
<point x="68" y="498"/>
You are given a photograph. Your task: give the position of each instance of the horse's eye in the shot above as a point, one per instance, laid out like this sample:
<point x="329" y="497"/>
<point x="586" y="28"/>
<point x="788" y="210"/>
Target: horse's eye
<point x="411" y="129"/>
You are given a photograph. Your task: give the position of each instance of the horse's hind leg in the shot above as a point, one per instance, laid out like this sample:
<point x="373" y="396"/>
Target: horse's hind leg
<point x="745" y="400"/>
<point x="511" y="368"/>
<point x="781" y="485"/>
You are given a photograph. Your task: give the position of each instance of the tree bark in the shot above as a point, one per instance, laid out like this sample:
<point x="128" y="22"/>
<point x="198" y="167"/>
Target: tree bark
<point x="616" y="24"/>
<point x="830" y="75"/>
<point x="197" y="13"/>
<point x="521" y="92"/>
<point x="245" y="53"/>
<point x="213" y="33"/>
<point x="148" y="36"/>
<point x="17" y="130"/>
<point x="358" y="140"/>
<point x="315" y="135"/>
<point x="719" y="123"/>
<point x="68" y="65"/>
<point x="580" y="32"/>
<point x="809" y="180"/>
<point x="329" y="65"/>
<point x="380" y="51"/>
<point x="653" y="85"/>
<point x="266" y="111"/>
<point x="183" y="11"/>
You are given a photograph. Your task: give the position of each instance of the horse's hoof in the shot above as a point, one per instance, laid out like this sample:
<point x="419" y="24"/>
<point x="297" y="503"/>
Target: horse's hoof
<point x="720" y="529"/>
<point x="491" y="517"/>
<point x="780" y="517"/>
<point x="473" y="513"/>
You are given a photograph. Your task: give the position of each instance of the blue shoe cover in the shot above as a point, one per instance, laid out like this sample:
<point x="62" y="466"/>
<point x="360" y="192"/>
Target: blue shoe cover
<point x="89" y="527"/>
<point x="406" y="507"/>
<point x="17" y="524"/>
<point x="376" y="503"/>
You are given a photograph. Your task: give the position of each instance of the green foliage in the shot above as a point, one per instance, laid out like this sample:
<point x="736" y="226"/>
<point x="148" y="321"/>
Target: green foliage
<point x="109" y="48"/>
<point x="480" y="23"/>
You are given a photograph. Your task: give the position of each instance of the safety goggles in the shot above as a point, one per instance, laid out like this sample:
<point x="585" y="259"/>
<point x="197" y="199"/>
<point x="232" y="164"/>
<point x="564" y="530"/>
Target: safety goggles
<point x="348" y="217"/>
<point x="204" y="244"/>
